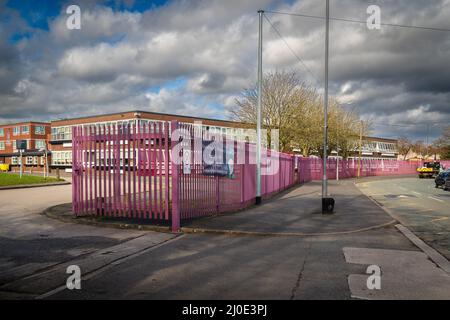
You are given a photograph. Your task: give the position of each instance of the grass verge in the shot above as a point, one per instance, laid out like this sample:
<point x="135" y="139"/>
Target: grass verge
<point x="12" y="179"/>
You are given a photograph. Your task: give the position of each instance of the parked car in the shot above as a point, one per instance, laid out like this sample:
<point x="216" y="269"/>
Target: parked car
<point x="447" y="185"/>
<point x="441" y="178"/>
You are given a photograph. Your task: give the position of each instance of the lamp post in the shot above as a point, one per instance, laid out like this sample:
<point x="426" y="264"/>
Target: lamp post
<point x="258" y="120"/>
<point x="327" y="203"/>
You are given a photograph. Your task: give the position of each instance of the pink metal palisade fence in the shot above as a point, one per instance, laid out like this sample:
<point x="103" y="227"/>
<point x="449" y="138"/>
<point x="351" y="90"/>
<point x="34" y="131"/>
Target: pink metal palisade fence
<point x="368" y="167"/>
<point x="126" y="171"/>
<point x="200" y="194"/>
<point x="119" y="171"/>
<point x="122" y="171"/>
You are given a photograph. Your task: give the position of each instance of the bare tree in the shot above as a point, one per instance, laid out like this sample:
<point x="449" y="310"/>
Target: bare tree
<point x="404" y="146"/>
<point x="441" y="145"/>
<point x="280" y="98"/>
<point x="296" y="110"/>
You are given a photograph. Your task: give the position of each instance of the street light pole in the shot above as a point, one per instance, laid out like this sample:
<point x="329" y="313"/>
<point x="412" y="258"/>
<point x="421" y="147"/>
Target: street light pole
<point x="325" y="108"/>
<point x="360" y="147"/>
<point x="258" y="120"/>
<point x="327" y="203"/>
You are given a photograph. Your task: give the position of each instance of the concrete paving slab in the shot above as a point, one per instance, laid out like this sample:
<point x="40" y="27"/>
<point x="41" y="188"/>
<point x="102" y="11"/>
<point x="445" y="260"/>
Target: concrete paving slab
<point x="404" y="275"/>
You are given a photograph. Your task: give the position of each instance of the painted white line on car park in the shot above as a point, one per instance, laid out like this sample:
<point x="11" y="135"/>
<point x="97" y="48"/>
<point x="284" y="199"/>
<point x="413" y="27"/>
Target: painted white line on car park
<point x="436" y="199"/>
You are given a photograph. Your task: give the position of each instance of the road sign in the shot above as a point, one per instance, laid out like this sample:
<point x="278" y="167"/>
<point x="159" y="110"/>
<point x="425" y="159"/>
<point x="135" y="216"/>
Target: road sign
<point x="21" y="144"/>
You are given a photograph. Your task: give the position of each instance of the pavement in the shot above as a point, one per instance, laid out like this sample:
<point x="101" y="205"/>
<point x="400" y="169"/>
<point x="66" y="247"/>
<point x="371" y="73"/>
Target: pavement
<point x="136" y="264"/>
<point x="299" y="212"/>
<point x="418" y="205"/>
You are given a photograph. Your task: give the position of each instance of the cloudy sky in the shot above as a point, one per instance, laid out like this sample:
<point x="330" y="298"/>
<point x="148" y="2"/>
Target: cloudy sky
<point x="195" y="57"/>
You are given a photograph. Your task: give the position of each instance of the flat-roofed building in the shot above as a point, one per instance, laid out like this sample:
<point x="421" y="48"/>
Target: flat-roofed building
<point x="35" y="136"/>
<point x="377" y="148"/>
<point x="61" y="130"/>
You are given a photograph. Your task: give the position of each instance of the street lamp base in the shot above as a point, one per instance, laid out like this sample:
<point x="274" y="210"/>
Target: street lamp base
<point x="327" y="205"/>
<point x="258" y="200"/>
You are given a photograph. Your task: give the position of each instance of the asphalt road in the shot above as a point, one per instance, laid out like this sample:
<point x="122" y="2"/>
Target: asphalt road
<point x="419" y="206"/>
<point x="31" y="243"/>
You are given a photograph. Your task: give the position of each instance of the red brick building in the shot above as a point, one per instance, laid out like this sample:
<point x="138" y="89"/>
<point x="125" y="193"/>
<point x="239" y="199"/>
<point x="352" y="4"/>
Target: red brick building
<point x="35" y="134"/>
<point x="61" y="130"/>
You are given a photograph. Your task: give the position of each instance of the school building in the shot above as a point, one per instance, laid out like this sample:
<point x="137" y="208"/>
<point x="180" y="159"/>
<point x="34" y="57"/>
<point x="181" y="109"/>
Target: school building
<point x="34" y="136"/>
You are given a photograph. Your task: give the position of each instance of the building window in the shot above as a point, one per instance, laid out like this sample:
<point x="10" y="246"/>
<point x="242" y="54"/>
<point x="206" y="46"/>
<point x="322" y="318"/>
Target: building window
<point x="39" y="130"/>
<point x="61" y="133"/>
<point x="29" y="160"/>
<point x="16" y="131"/>
<point x="39" y="144"/>
<point x="14" y="160"/>
<point x="35" y="160"/>
<point x="25" y="129"/>
<point x="2" y="145"/>
<point x="62" y="158"/>
<point x="2" y="132"/>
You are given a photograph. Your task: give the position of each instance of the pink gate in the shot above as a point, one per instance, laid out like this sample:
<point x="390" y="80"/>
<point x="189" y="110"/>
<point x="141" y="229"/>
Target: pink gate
<point x="122" y="171"/>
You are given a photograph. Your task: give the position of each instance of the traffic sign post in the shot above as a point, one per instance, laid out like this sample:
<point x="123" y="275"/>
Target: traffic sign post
<point x="21" y="145"/>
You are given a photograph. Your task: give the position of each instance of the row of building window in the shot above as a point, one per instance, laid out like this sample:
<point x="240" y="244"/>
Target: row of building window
<point x="152" y="126"/>
<point x="61" y="158"/>
<point x="38" y="144"/>
<point x="379" y="146"/>
<point x="31" y="160"/>
<point x="17" y="130"/>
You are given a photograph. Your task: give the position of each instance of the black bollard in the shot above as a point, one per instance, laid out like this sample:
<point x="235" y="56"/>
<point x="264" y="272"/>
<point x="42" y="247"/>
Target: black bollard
<point x="327" y="205"/>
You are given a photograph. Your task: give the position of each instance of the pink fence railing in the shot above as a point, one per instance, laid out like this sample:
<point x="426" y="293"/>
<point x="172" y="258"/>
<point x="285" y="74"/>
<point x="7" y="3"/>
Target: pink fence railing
<point x="121" y="171"/>
<point x="368" y="167"/>
<point x="201" y="193"/>
<point x="445" y="164"/>
<point x="126" y="171"/>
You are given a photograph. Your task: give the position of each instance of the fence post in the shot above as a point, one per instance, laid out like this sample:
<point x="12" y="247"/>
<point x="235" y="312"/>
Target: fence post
<point x="74" y="172"/>
<point x="175" y="198"/>
<point x="166" y="167"/>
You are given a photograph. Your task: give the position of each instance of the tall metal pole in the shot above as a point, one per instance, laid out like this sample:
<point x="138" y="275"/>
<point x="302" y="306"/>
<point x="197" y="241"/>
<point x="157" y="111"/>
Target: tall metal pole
<point x="46" y="162"/>
<point x="360" y="147"/>
<point x="258" y="120"/>
<point x="337" y="150"/>
<point x="21" y="164"/>
<point x="325" y="108"/>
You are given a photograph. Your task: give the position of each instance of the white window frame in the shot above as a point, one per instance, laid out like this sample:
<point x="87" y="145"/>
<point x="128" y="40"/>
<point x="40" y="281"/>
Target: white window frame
<point x="27" y="131"/>
<point x="37" y="130"/>
<point x="16" y="130"/>
<point x="38" y="141"/>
